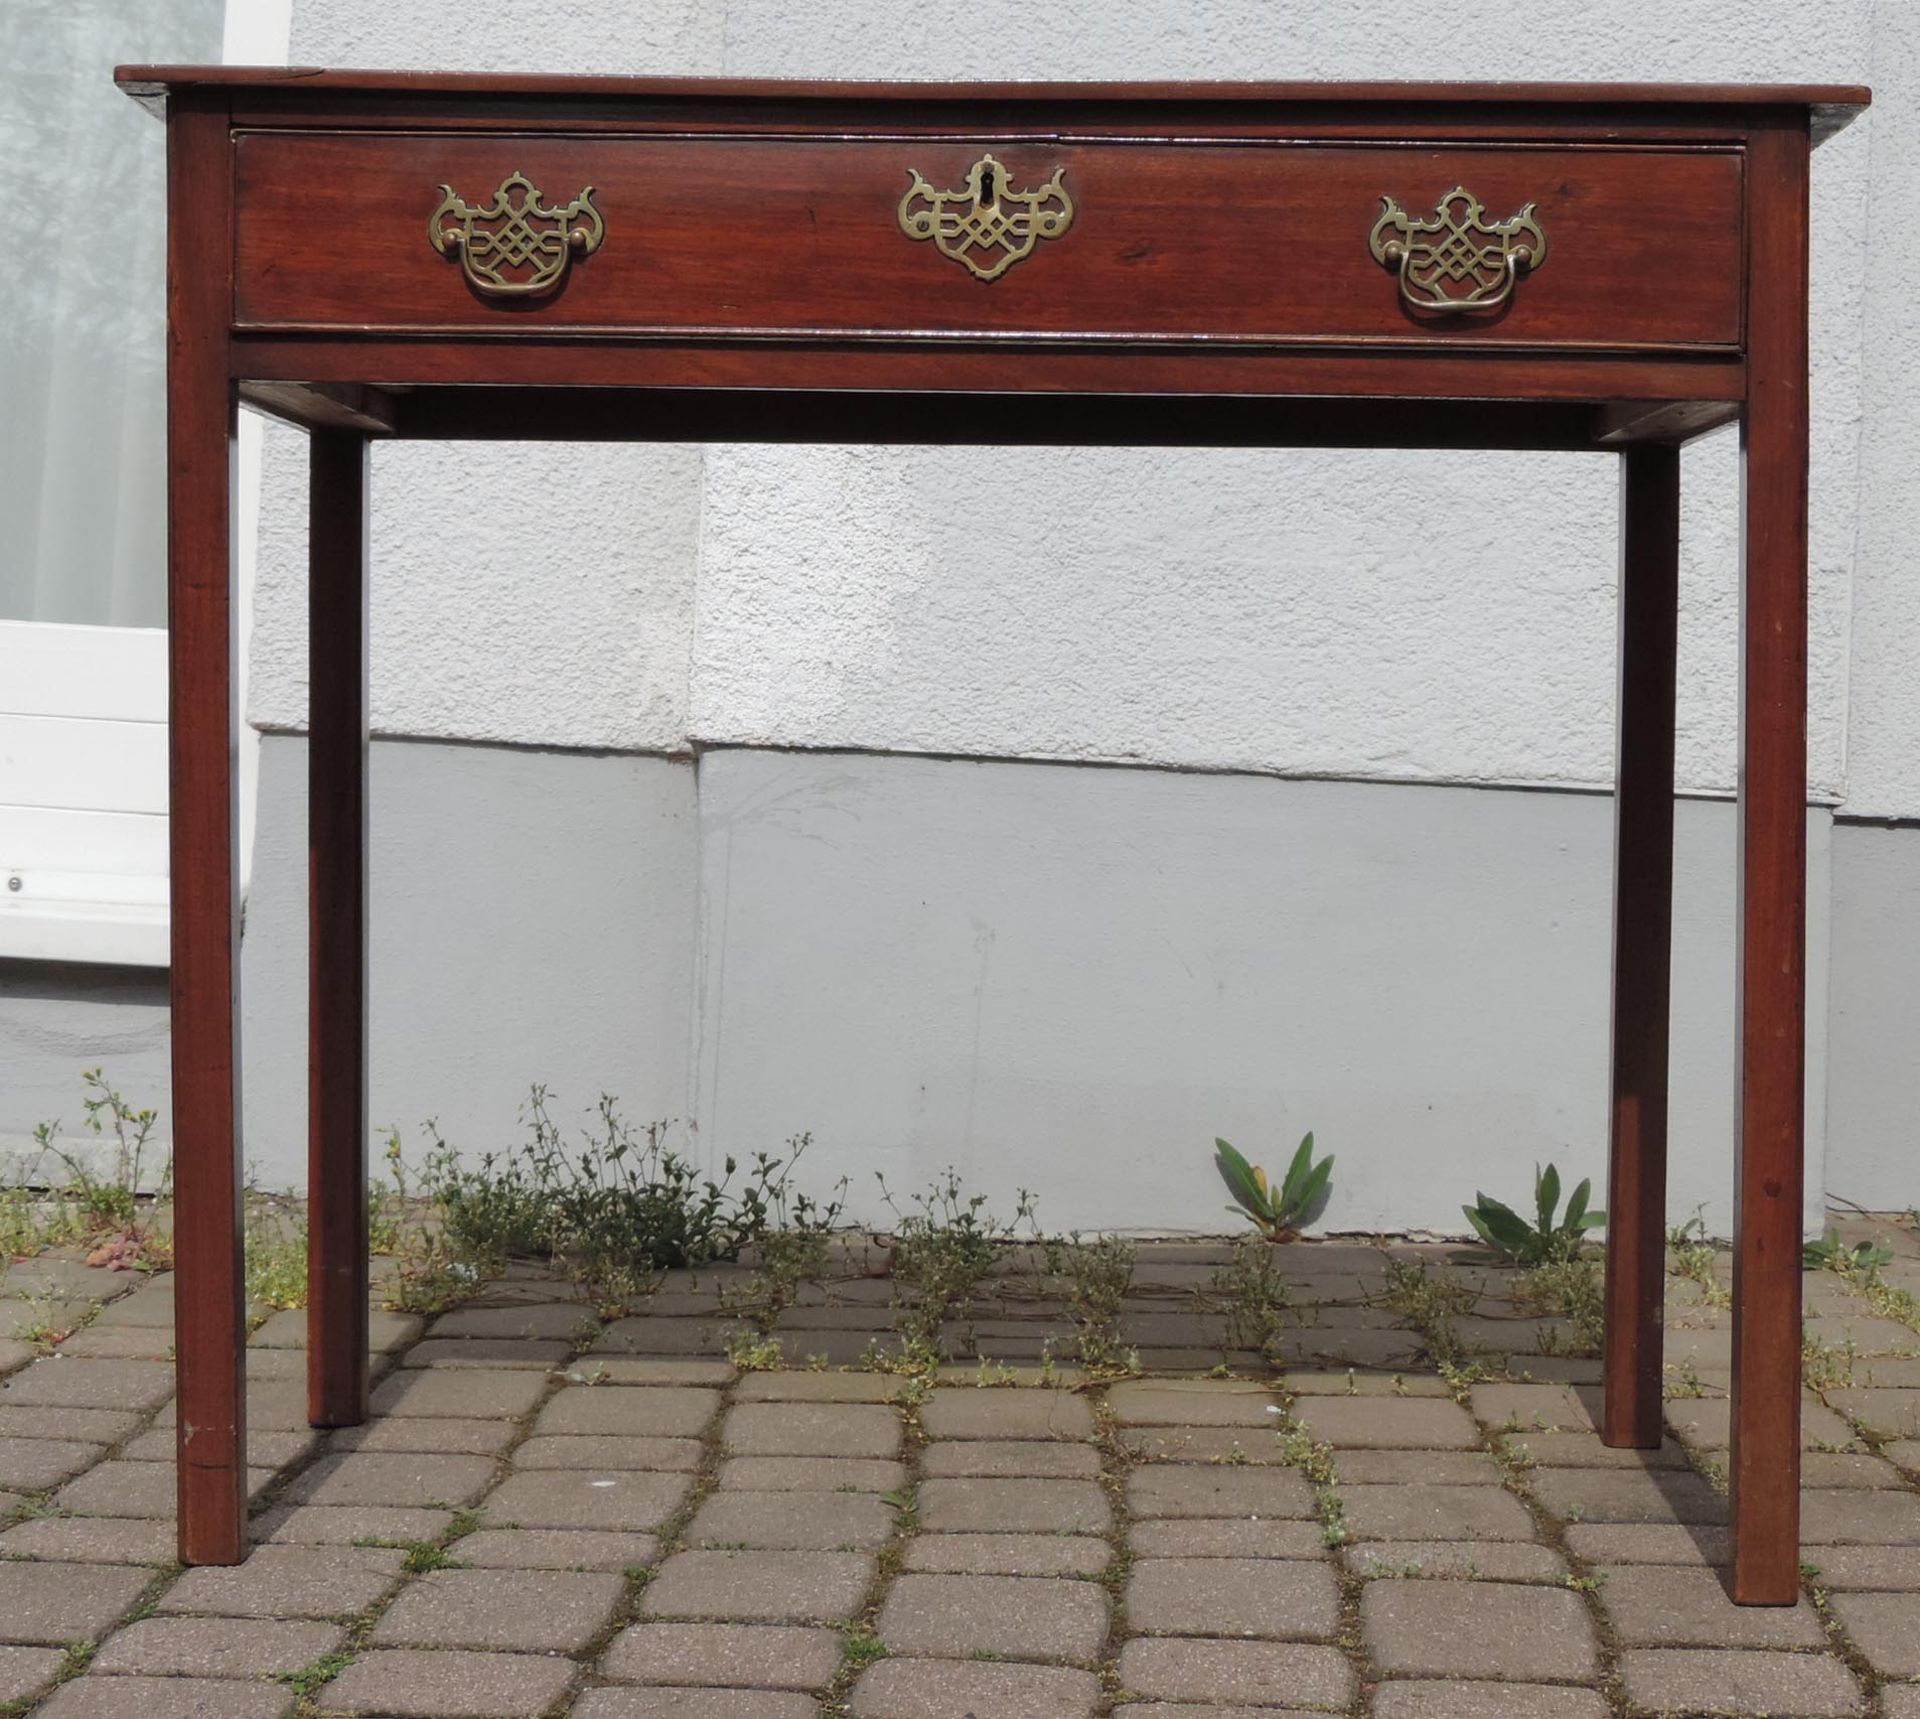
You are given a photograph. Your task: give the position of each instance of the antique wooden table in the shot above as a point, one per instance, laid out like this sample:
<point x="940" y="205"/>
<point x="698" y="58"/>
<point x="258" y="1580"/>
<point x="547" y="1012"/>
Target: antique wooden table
<point x="1405" y="265"/>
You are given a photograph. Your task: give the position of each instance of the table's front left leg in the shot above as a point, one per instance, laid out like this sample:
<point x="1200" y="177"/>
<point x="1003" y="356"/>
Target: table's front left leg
<point x="209" y="1321"/>
<point x="1771" y="1034"/>
<point x="337" y="1312"/>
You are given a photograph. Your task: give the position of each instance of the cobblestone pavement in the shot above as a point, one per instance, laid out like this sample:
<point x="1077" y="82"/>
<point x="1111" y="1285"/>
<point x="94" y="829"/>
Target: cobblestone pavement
<point x="553" y="1514"/>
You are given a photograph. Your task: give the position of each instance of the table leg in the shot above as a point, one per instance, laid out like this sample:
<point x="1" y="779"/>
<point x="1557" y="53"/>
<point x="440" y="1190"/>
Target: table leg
<point x="210" y="1325"/>
<point x="1771" y="1031"/>
<point x="1642" y="945"/>
<point x="337" y="931"/>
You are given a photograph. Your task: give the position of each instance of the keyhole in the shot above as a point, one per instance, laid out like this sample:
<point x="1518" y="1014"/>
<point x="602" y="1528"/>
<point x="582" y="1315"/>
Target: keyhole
<point x="987" y="193"/>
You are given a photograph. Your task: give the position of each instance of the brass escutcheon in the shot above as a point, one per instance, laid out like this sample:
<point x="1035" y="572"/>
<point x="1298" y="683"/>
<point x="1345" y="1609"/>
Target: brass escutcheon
<point x="1458" y="260"/>
<point x="516" y="246"/>
<point x="986" y="225"/>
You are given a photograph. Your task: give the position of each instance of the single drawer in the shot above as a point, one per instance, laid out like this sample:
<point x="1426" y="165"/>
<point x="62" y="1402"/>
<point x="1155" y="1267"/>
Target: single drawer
<point x="917" y="238"/>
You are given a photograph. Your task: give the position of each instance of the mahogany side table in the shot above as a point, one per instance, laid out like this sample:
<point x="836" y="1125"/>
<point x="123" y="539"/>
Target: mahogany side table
<point x="1495" y="266"/>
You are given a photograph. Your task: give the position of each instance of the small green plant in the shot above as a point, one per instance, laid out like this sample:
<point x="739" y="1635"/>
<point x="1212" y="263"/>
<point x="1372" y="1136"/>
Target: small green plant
<point x="1430" y="1305"/>
<point x="1281" y="1213"/>
<point x="860" y="1647"/>
<point x="312" y="1676"/>
<point x="1512" y="1237"/>
<point x="1693" y="1256"/>
<point x="113" y="1210"/>
<point x="1099" y="1273"/>
<point x="1255" y="1297"/>
<point x="1571" y="1289"/>
<point x="944" y="1244"/>
<point x="1830" y="1253"/>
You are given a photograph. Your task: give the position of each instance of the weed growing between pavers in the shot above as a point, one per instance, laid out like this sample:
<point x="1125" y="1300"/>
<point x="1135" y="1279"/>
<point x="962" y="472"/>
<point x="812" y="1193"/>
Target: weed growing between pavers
<point x="1691" y="1250"/>
<point x="1430" y="1305"/>
<point x="1571" y="1289"/>
<point x="1099" y="1273"/>
<point x="1254" y="1295"/>
<point x="945" y="1242"/>
<point x="57" y="1198"/>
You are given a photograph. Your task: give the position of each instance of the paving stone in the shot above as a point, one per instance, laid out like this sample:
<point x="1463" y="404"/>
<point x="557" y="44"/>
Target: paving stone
<point x="567" y="1321"/>
<point x="148" y="1489"/>
<point x="1885" y="1627"/>
<point x="644" y="1370"/>
<point x="133" y="1387"/>
<point x="387" y="1331"/>
<point x="1188" y="1489"/>
<point x="342" y="1525"/>
<point x="1191" y="1403"/>
<point x="556" y="1549"/>
<point x="216" y="1647"/>
<point x="1171" y="1669"/>
<point x="1871" y="1569"/>
<point x="481" y="1353"/>
<point x="1738" y="1682"/>
<point x="1676" y="1606"/>
<point x="95" y="1426"/>
<point x="1210" y="1710"/>
<point x="810" y="1474"/>
<point x="1015" y="1506"/>
<point x="1382" y="1423"/>
<point x="987" y="1459"/>
<point x="629" y="1411"/>
<point x="1010" y="1617"/>
<point x="39" y="1464"/>
<point x="289" y="1582"/>
<point x="1475" y="1629"/>
<point x="1627" y="1495"/>
<point x="1854" y="1470"/>
<point x="1447" y="1560"/>
<point x="92" y="1540"/>
<point x="267" y="1447"/>
<point x="429" y="1481"/>
<point x="448" y="1685"/>
<point x="1007" y="1554"/>
<point x="1422" y="1700"/>
<point x="441" y="1435"/>
<point x="1852" y="1518"/>
<point x="101" y="1343"/>
<point x="997" y="1414"/>
<point x="43" y="1605"/>
<point x="940" y="1689"/>
<point x="25" y="1671"/>
<point x="1226" y="1537"/>
<point x="529" y="1611"/>
<point x="1706" y="1544"/>
<point x="812" y="1429"/>
<point x="1900" y="1700"/>
<point x="100" y="1697"/>
<point x="151" y="1306"/>
<point x="656" y="1336"/>
<point x="634" y="1702"/>
<point x="792" y="1521"/>
<point x="818" y="1388"/>
<point x="1435" y="1513"/>
<point x="586" y="1498"/>
<point x="1345" y="1382"/>
<point x="610" y="1450"/>
<point x="1203" y="1444"/>
<point x="1274" y="1599"/>
<point x="463" y="1394"/>
<point x="1703" y="1422"/>
<point x="1538" y="1408"/>
<point x="732" y="1656"/>
<point x="1584" y="1450"/>
<point x="759" y="1587"/>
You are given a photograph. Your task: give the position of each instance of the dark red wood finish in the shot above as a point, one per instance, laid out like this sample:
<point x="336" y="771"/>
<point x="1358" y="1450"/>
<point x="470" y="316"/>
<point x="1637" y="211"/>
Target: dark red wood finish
<point x="1215" y="290"/>
<point x="337" y="1265"/>
<point x="1642" y="945"/>
<point x="202" y="831"/>
<point x="1770" y="1113"/>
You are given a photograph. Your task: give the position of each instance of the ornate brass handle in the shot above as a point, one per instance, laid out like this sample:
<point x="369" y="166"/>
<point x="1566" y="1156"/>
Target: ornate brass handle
<point x="985" y="225"/>
<point x="516" y="246"/>
<point x="1458" y="260"/>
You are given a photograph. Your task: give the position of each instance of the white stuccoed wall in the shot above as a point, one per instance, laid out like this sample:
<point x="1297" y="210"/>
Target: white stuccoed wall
<point x="1373" y="617"/>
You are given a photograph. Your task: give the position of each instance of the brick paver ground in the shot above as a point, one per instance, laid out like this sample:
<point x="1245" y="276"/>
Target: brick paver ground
<point x="553" y="1513"/>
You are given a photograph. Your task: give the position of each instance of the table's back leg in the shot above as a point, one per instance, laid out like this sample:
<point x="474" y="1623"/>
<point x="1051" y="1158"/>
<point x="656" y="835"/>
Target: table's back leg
<point x="1771" y="1032"/>
<point x="210" y="1328"/>
<point x="1642" y="944"/>
<point x="337" y="931"/>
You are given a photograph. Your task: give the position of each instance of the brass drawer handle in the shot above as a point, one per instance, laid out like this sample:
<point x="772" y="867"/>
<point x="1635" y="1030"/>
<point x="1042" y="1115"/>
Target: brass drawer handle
<point x="516" y="246"/>
<point x="1458" y="260"/>
<point x="986" y="218"/>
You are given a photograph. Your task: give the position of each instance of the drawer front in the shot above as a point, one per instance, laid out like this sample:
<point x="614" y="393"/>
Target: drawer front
<point x="941" y="238"/>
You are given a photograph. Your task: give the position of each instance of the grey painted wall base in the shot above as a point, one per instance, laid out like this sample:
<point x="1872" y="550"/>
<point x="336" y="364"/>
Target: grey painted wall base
<point x="1057" y="977"/>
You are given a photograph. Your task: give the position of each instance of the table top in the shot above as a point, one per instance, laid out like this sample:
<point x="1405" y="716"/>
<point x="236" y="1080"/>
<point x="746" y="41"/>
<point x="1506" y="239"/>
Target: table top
<point x="1831" y="106"/>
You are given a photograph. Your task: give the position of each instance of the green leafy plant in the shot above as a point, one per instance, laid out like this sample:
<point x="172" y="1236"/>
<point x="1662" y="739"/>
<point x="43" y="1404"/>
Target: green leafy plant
<point x="1279" y="1213"/>
<point x="1551" y="1238"/>
<point x="944" y="1244"/>
<point x="1830" y="1253"/>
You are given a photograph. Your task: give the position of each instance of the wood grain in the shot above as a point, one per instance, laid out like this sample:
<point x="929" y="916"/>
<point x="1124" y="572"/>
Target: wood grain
<point x="1772" y="979"/>
<point x="1642" y="946"/>
<point x="210" y="1323"/>
<point x="337" y="1287"/>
